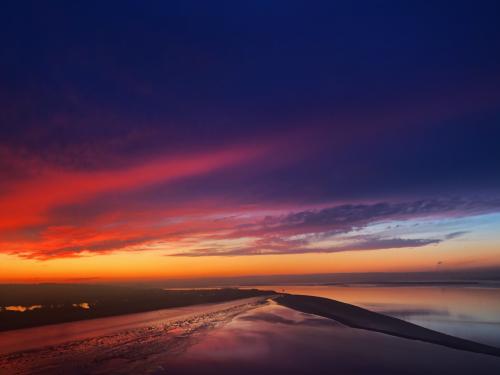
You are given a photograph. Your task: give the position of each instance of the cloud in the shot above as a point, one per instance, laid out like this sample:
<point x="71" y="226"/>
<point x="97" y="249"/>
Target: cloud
<point x="28" y="201"/>
<point x="453" y="235"/>
<point x="284" y="247"/>
<point x="222" y="228"/>
<point x="303" y="232"/>
<point x="344" y="218"/>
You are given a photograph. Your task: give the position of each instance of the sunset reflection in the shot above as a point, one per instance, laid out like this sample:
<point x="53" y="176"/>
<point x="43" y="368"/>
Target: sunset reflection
<point x="249" y="187"/>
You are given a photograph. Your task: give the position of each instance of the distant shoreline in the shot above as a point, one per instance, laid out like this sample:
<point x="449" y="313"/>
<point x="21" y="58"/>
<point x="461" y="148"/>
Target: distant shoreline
<point x="417" y="283"/>
<point x="26" y="306"/>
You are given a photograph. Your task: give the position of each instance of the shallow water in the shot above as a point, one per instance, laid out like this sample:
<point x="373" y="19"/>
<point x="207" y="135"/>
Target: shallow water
<point x="468" y="312"/>
<point x="277" y="340"/>
<point x="233" y="338"/>
<point x="55" y="334"/>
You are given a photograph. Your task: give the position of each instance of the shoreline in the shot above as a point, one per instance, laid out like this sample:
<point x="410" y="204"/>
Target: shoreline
<point x="358" y="317"/>
<point x="55" y="335"/>
<point x="29" y="306"/>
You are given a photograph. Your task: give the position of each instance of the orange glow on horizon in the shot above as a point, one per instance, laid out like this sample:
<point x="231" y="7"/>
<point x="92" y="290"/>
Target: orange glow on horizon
<point x="150" y="265"/>
<point x="133" y="238"/>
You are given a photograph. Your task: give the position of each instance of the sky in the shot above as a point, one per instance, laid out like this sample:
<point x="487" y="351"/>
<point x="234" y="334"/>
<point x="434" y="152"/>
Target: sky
<point x="186" y="138"/>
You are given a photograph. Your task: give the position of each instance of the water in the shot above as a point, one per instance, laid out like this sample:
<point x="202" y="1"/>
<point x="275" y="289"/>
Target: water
<point x="468" y="312"/>
<point x="55" y="334"/>
<point x="277" y="340"/>
<point x="266" y="339"/>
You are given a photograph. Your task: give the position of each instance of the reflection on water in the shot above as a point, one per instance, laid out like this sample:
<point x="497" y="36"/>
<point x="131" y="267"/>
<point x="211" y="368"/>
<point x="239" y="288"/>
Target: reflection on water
<point x="472" y="313"/>
<point x="21" y="308"/>
<point x="83" y="305"/>
<point x="56" y="334"/>
<point x="277" y="340"/>
<point x="237" y="337"/>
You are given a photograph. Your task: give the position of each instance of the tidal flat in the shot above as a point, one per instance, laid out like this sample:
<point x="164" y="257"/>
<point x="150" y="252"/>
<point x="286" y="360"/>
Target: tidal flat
<point x="254" y="335"/>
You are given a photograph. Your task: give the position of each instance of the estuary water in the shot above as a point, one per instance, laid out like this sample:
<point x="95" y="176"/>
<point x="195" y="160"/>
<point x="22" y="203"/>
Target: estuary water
<point x="468" y="312"/>
<point x="258" y="336"/>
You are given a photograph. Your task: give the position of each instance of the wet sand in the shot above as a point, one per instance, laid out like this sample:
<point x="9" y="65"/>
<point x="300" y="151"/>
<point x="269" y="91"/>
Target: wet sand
<point x="33" y="305"/>
<point x="33" y="338"/>
<point x="100" y="345"/>
<point x="251" y="336"/>
<point x="274" y="339"/>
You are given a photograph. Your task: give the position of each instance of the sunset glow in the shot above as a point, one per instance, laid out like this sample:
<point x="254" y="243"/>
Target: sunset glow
<point x="249" y="187"/>
<point x="165" y="151"/>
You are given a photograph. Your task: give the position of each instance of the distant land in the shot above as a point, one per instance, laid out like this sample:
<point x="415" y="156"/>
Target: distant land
<point x="489" y="276"/>
<point x="23" y="306"/>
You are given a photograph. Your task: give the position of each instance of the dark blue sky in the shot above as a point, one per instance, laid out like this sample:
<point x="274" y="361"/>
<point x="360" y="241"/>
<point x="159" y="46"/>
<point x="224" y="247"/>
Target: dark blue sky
<point x="399" y="93"/>
<point x="330" y="103"/>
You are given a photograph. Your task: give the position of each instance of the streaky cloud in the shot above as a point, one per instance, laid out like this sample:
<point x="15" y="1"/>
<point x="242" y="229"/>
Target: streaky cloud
<point x="372" y="244"/>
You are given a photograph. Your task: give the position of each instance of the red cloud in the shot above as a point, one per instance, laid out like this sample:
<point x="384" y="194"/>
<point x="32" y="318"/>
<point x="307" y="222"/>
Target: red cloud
<point x="26" y="202"/>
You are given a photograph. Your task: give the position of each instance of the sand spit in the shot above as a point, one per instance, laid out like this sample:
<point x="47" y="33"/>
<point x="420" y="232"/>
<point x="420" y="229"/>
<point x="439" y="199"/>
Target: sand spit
<point x="357" y="317"/>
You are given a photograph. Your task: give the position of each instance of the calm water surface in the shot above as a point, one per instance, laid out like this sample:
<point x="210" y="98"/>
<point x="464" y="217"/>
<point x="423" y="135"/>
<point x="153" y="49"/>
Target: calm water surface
<point x="467" y="312"/>
<point x="267" y="339"/>
<point x="277" y="340"/>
